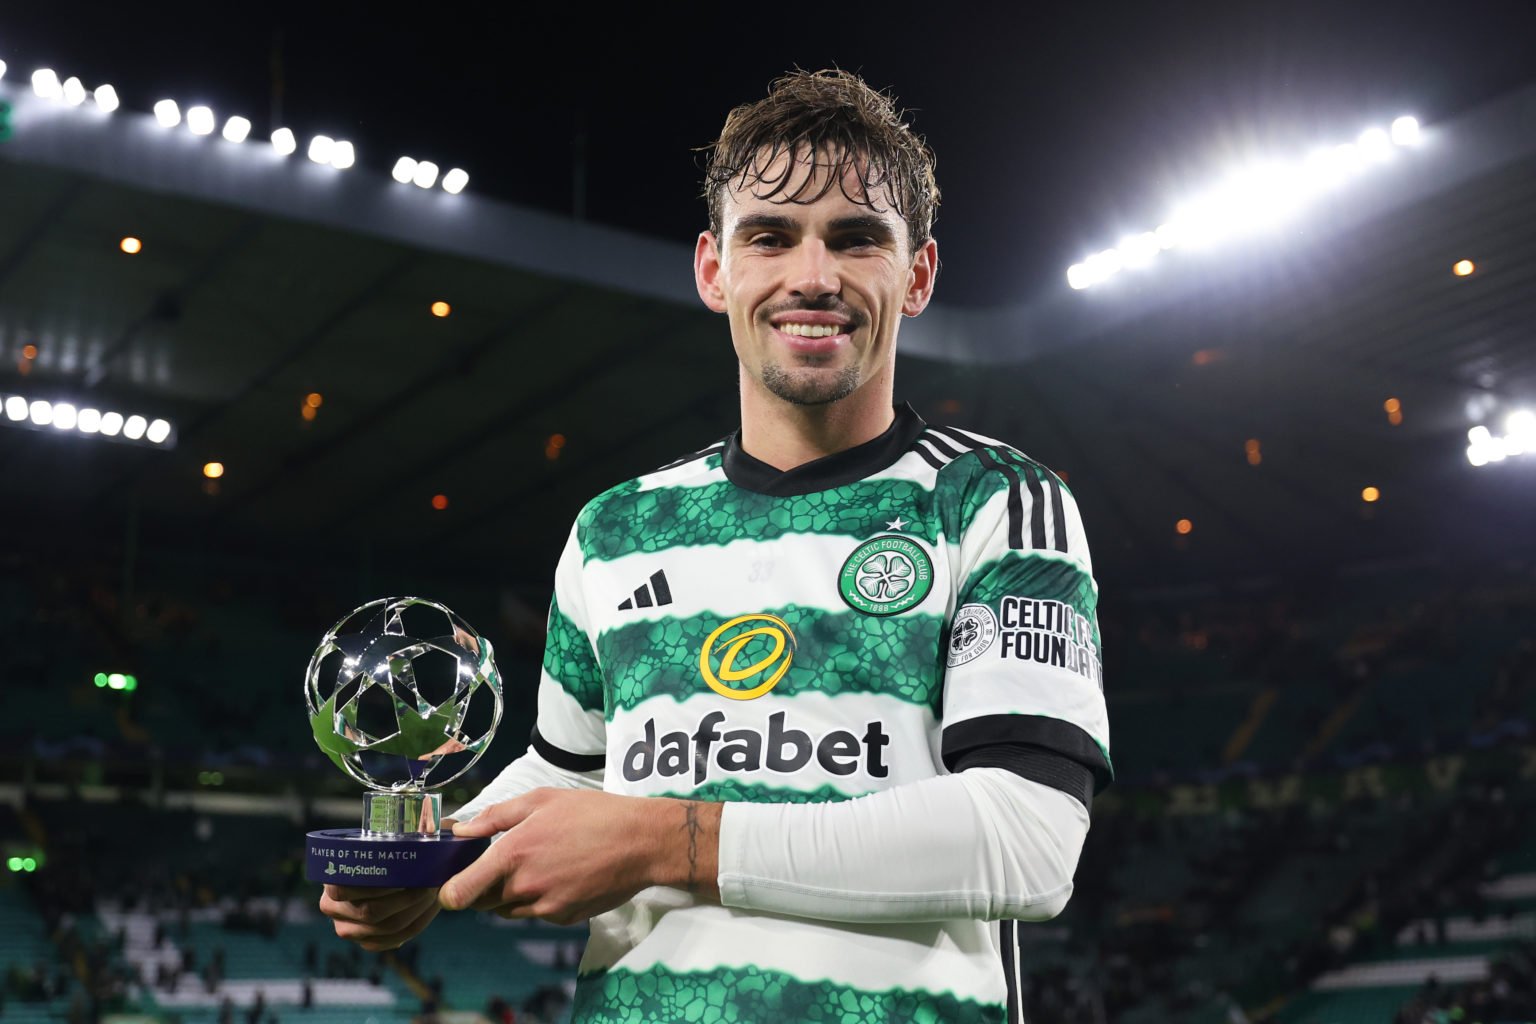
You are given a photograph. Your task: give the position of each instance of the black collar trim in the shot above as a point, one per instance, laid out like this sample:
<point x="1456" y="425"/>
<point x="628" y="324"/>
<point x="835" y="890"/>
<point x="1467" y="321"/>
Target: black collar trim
<point x="829" y="471"/>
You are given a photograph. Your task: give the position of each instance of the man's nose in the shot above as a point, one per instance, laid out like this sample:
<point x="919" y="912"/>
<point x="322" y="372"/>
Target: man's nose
<point x="813" y="272"/>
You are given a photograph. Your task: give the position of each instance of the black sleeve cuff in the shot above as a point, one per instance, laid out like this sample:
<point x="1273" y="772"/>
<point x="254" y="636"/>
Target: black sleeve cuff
<point x="564" y="758"/>
<point x="1036" y="764"/>
<point x="1049" y="734"/>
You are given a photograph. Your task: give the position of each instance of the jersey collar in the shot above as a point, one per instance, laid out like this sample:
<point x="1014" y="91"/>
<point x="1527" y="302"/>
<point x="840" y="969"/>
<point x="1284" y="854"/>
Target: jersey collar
<point x="829" y="471"/>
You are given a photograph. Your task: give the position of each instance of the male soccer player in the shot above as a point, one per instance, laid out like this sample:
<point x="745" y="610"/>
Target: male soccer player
<point x="822" y="702"/>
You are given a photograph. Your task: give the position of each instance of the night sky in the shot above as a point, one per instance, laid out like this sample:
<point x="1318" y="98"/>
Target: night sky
<point x="1057" y="127"/>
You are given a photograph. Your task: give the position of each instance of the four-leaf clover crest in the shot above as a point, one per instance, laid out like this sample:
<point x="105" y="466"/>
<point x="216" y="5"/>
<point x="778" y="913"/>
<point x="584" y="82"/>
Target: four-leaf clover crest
<point x="965" y="634"/>
<point x="885" y="577"/>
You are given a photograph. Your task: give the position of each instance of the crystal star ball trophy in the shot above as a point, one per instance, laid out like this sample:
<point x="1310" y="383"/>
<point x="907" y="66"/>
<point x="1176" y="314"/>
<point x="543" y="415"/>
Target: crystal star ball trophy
<point x="404" y="697"/>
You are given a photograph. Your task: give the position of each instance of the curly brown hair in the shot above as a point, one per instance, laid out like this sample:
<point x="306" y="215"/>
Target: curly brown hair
<point x="834" y="118"/>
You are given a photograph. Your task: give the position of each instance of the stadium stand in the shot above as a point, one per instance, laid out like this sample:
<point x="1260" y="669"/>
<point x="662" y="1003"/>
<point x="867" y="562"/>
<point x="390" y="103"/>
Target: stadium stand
<point x="1293" y="838"/>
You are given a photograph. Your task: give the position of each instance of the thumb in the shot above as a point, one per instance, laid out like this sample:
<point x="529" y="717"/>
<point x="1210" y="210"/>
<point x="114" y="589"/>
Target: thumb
<point x="495" y="818"/>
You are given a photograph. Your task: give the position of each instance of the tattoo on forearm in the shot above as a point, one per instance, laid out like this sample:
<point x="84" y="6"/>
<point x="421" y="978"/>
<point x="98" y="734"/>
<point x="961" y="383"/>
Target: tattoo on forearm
<point x="693" y="827"/>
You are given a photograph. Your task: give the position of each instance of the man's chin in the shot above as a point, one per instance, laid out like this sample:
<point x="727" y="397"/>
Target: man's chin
<point x="810" y="388"/>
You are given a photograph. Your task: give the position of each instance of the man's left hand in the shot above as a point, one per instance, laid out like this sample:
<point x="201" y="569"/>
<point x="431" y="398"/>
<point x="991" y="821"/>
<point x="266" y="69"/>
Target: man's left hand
<point x="569" y="855"/>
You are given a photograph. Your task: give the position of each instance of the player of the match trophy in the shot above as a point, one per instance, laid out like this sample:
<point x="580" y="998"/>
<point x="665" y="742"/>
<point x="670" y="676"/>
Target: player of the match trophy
<point x="404" y="696"/>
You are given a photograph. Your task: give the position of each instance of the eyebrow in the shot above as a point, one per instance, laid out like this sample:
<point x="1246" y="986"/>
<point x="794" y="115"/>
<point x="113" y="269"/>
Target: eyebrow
<point x="871" y="225"/>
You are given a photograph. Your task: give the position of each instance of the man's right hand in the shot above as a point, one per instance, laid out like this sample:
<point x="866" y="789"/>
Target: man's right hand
<point x="379" y="919"/>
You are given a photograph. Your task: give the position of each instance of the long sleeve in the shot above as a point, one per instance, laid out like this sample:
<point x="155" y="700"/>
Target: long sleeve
<point x="983" y="843"/>
<point x="527" y="772"/>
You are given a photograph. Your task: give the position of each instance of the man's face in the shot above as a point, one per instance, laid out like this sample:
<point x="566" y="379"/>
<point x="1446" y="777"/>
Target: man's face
<point x="814" y="292"/>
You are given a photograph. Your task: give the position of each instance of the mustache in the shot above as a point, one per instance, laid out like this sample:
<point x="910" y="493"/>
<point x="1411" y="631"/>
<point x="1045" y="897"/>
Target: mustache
<point x="846" y="312"/>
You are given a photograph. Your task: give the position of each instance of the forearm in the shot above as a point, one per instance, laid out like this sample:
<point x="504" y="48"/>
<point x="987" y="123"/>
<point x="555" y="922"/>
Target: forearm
<point x="526" y="773"/>
<point x="983" y="843"/>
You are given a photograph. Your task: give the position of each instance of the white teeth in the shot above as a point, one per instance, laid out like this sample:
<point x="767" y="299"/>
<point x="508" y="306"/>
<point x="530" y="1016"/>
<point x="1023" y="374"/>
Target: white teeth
<point x="811" y="330"/>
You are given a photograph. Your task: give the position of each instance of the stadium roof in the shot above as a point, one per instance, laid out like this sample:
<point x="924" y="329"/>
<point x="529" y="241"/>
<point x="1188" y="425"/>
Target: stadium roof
<point x="261" y="282"/>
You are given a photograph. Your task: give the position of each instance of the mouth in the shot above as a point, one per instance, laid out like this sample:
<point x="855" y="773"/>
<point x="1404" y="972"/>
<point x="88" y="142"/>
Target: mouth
<point x="813" y="338"/>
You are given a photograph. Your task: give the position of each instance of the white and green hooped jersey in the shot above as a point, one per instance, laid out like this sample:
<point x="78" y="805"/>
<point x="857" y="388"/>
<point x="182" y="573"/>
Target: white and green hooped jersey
<point x="722" y="630"/>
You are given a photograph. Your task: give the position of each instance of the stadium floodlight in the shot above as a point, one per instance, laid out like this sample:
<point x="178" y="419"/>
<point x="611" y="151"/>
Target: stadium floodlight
<point x="2" y="68"/>
<point x="1250" y="199"/>
<point x="320" y="149"/>
<point x="201" y="120"/>
<point x="42" y="414"/>
<point x="237" y="129"/>
<point x="45" y="82"/>
<point x="1405" y="131"/>
<point x="1375" y="144"/>
<point x="1520" y="432"/>
<point x="167" y="113"/>
<point x="1519" y="438"/>
<point x="405" y="170"/>
<point x="74" y="91"/>
<point x="106" y="99"/>
<point x="426" y="174"/>
<point x="343" y="155"/>
<point x="1139" y="250"/>
<point x="284" y="142"/>
<point x="455" y="180"/>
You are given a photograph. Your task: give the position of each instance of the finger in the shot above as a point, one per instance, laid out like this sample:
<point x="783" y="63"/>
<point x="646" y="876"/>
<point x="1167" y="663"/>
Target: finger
<point x="399" y="937"/>
<point x="483" y="878"/>
<point x="380" y="918"/>
<point x="357" y="893"/>
<point x="497" y="817"/>
<point x="495" y="899"/>
<point x="512" y="911"/>
<point x="377" y="910"/>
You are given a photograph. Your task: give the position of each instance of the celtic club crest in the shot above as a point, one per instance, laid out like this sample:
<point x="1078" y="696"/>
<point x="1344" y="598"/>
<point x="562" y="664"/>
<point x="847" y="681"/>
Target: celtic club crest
<point x="886" y="575"/>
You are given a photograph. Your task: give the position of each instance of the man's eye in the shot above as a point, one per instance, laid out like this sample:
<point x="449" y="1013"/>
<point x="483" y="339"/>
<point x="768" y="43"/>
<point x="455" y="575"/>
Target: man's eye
<point x="859" y="242"/>
<point x="765" y="241"/>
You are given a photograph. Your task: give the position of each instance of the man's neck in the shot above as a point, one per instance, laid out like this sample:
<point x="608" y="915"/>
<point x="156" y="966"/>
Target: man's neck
<point x="785" y="435"/>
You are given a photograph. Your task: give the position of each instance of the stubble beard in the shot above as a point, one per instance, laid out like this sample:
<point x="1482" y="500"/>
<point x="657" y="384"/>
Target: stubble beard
<point x="810" y="388"/>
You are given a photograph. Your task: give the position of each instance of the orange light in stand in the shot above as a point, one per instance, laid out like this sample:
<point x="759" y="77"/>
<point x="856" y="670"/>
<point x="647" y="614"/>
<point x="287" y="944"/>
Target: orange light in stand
<point x="439" y="501"/>
<point x="1254" y="451"/>
<point x="130" y="245"/>
<point x="1370" y="494"/>
<point x="314" y="399"/>
<point x="441" y="308"/>
<point x="29" y="351"/>
<point x="1463" y="268"/>
<point x="1394" y="410"/>
<point x="557" y="440"/>
<point x="308" y="413"/>
<point x="213" y="470"/>
<point x="1183" y="526"/>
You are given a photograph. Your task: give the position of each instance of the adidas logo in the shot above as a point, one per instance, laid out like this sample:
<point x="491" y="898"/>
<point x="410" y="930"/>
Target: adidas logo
<point x="656" y="592"/>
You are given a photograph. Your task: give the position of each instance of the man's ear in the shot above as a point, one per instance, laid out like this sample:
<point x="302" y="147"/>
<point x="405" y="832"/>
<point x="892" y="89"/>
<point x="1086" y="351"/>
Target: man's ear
<point x="921" y="279"/>
<point x="706" y="272"/>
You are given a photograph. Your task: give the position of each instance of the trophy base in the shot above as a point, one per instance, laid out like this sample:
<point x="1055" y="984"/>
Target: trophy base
<point x="351" y="856"/>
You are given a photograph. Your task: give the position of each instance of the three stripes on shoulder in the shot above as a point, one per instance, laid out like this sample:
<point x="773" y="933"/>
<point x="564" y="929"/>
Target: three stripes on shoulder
<point x="939" y="446"/>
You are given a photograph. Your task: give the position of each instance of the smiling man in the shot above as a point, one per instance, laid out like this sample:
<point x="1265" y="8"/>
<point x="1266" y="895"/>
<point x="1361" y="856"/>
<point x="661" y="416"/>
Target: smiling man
<point x="822" y="715"/>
